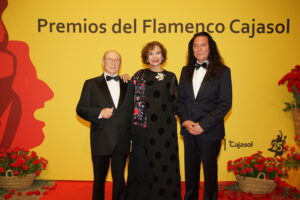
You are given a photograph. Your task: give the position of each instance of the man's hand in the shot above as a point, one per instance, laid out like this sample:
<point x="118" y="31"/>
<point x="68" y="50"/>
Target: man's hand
<point x="192" y="127"/>
<point x="199" y="129"/>
<point x="106" y="113"/>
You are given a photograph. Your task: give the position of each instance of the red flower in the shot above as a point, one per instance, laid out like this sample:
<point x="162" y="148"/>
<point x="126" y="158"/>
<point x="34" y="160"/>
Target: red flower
<point x="37" y="173"/>
<point x="37" y="192"/>
<point x="237" y="160"/>
<point x="33" y="154"/>
<point x="269" y="169"/>
<point x="25" y="167"/>
<point x="7" y="196"/>
<point x="262" y="160"/>
<point x="292" y="150"/>
<point x="13" y="156"/>
<point x="260" y="169"/>
<point x="20" y="161"/>
<point x="286" y="147"/>
<point x="13" y="164"/>
<point x="29" y="193"/>
<point x="16" y="172"/>
<point x="256" y="166"/>
<point x="1" y="169"/>
<point x="243" y="171"/>
<point x="249" y="169"/>
<point x="236" y="172"/>
<point x="37" y="161"/>
<point x="296" y="157"/>
<point x="277" y="179"/>
<point x="12" y="191"/>
<point x="229" y="167"/>
<point x="44" y="165"/>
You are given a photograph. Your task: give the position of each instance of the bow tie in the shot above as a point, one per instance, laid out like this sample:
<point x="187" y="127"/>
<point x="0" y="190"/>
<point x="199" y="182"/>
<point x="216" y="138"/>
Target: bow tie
<point x="197" y="65"/>
<point x="116" y="78"/>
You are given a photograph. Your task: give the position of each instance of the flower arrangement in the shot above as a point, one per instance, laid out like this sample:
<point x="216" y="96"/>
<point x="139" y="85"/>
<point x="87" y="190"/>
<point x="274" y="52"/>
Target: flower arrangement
<point x="231" y="190"/>
<point x="293" y="85"/>
<point x="292" y="157"/>
<point x="252" y="166"/>
<point x="21" y="162"/>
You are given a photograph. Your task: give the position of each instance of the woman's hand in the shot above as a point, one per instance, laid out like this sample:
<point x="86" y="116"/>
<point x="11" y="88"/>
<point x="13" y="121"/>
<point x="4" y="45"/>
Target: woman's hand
<point x="125" y="77"/>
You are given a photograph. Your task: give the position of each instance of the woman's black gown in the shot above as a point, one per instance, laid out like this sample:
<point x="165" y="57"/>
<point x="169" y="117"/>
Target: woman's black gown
<point x="154" y="164"/>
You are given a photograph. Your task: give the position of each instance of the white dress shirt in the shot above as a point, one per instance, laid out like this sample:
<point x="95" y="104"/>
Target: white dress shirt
<point x="198" y="77"/>
<point x="114" y="89"/>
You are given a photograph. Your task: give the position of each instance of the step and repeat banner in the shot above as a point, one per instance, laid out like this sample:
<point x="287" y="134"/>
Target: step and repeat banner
<point x="50" y="47"/>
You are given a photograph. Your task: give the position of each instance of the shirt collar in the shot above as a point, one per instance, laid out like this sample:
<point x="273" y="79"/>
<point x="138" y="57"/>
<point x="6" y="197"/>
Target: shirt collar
<point x="107" y="74"/>
<point x="207" y="62"/>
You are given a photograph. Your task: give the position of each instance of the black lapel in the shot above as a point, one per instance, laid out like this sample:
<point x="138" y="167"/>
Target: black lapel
<point x="190" y="81"/>
<point x="203" y="84"/>
<point x="123" y="89"/>
<point x="104" y="89"/>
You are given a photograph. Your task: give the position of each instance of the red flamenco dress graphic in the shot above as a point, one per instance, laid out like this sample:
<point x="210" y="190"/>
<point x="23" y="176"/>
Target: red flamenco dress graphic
<point x="21" y="93"/>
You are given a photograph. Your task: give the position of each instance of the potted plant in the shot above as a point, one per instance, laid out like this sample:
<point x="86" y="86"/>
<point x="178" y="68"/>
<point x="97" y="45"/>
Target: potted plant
<point x="19" y="167"/>
<point x="257" y="174"/>
<point x="293" y="85"/>
<point x="291" y="159"/>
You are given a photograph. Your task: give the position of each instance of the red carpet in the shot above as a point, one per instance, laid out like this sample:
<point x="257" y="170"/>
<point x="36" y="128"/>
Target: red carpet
<point x="77" y="190"/>
<point x="74" y="190"/>
<point x="82" y="190"/>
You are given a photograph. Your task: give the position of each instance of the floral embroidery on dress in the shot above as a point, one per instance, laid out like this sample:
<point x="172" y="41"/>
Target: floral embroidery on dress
<point x="139" y="114"/>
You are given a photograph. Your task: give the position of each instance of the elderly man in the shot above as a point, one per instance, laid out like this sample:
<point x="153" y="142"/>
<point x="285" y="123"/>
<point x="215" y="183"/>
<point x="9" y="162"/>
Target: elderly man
<point x="106" y="102"/>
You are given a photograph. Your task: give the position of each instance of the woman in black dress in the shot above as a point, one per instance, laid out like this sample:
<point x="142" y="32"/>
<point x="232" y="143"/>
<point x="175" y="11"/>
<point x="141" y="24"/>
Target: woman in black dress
<point x="154" y="164"/>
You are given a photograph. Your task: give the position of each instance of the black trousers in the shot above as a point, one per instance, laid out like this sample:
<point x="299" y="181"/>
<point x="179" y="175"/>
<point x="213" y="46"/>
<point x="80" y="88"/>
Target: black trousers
<point x="100" y="168"/>
<point x="198" y="149"/>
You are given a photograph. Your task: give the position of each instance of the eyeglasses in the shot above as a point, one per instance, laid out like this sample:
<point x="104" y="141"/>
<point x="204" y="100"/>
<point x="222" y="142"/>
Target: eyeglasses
<point x="110" y="60"/>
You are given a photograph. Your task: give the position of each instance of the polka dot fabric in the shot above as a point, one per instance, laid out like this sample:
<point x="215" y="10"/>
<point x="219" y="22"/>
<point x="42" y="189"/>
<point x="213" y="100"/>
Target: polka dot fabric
<point x="160" y="178"/>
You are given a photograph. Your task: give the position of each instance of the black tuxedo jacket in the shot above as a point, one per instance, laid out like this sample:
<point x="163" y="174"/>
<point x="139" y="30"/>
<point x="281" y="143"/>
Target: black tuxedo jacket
<point x="111" y="134"/>
<point x="210" y="106"/>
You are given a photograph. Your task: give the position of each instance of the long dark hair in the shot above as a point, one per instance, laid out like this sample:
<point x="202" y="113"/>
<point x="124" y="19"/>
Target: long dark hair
<point x="216" y="64"/>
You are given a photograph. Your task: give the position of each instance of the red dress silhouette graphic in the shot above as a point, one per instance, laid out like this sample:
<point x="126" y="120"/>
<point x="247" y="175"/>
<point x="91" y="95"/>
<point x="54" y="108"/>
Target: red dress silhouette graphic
<point x="21" y="93"/>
